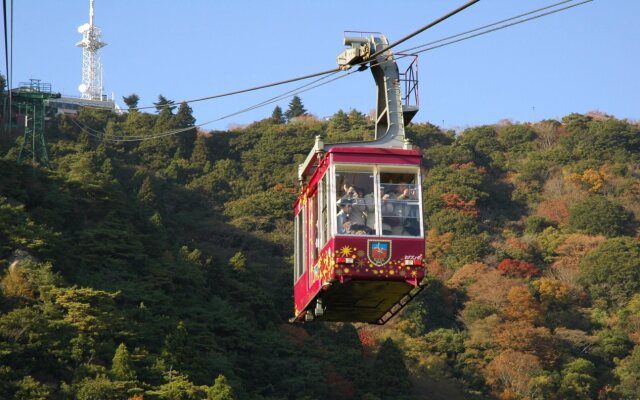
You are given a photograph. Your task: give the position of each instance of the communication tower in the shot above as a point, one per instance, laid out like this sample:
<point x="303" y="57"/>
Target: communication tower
<point x="91" y="43"/>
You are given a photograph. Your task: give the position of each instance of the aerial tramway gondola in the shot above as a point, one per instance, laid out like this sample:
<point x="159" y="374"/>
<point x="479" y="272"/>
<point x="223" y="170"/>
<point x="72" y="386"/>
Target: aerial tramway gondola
<point x="359" y="235"/>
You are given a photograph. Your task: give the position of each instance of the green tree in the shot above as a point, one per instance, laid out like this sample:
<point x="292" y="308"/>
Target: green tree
<point x="131" y="101"/>
<point x="201" y="153"/>
<point x="598" y="215"/>
<point x="628" y="372"/>
<point x="221" y="390"/>
<point x="339" y="122"/>
<point x="30" y="389"/>
<point x="121" y="367"/>
<point x="611" y="272"/>
<point x="389" y="375"/>
<point x="100" y="387"/>
<point x="164" y="103"/>
<point x="296" y="109"/>
<point x="186" y="138"/>
<point x="277" y="117"/>
<point x="177" y="350"/>
<point x="578" y="381"/>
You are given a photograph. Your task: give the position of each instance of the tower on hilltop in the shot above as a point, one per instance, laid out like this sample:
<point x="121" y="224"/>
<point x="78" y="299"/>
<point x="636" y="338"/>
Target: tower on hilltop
<point x="91" y="43"/>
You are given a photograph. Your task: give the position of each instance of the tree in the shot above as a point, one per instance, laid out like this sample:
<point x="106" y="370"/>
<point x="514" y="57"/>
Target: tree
<point x="187" y="137"/>
<point x="513" y="372"/>
<point x="578" y="381"/>
<point x="389" y="375"/>
<point x="518" y="268"/>
<point x="100" y="387"/>
<point x="121" y="368"/>
<point x="30" y="389"/>
<point x="201" y="153"/>
<point x="628" y="371"/>
<point x="296" y="109"/>
<point x="164" y="103"/>
<point x="598" y="215"/>
<point x="184" y="117"/>
<point x="339" y="122"/>
<point x="277" y="117"/>
<point x="522" y="305"/>
<point x="131" y="101"/>
<point x="611" y="272"/>
<point x="221" y="390"/>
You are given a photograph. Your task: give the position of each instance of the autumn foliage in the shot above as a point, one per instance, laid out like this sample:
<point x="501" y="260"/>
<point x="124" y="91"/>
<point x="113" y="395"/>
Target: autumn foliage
<point x="518" y="268"/>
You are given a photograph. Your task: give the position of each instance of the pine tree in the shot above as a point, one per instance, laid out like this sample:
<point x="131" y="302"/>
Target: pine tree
<point x="200" y="154"/>
<point x="339" y="122"/>
<point x="177" y="350"/>
<point x="389" y="377"/>
<point x="184" y="119"/>
<point x="131" y="101"/>
<point x="164" y="103"/>
<point x="221" y="390"/>
<point x="296" y="109"/>
<point x="121" y="368"/>
<point x="277" y="117"/>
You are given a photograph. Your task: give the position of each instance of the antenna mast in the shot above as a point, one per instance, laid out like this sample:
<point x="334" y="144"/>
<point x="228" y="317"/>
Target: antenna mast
<point x="91" y="86"/>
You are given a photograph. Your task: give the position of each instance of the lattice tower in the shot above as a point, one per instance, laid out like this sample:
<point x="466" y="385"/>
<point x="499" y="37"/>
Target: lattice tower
<point x="91" y="43"/>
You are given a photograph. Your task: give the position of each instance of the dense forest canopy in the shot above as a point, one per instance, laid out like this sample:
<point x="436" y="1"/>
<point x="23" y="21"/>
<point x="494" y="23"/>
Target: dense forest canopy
<point x="162" y="269"/>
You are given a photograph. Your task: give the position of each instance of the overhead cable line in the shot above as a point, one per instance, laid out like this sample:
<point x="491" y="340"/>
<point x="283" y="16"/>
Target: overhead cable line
<point x="251" y="89"/>
<point x="7" y="54"/>
<point x="486" y="26"/>
<point x="268" y="85"/>
<point x="493" y="29"/>
<point x="424" y="28"/>
<point x="301" y="89"/>
<point x="176" y="131"/>
<point x="104" y="136"/>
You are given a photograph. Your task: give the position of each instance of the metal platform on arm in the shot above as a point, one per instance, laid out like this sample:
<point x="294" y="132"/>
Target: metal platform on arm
<point x="393" y="110"/>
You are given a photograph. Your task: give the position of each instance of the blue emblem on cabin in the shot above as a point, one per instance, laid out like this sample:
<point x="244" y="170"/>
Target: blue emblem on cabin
<point x="379" y="251"/>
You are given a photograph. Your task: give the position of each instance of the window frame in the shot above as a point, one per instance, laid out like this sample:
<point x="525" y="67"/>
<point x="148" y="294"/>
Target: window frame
<point x="376" y="170"/>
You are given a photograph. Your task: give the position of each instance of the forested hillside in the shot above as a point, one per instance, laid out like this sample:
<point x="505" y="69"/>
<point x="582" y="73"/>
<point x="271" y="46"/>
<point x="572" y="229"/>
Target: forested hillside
<point x="162" y="269"/>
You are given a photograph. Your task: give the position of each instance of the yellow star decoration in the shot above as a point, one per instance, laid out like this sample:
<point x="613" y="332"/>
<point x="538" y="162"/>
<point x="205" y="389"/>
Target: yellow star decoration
<point x="346" y="251"/>
<point x="360" y="253"/>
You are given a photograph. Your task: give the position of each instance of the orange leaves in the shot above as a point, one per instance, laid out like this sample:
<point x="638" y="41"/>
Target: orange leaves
<point x="437" y="244"/>
<point x="513" y="372"/>
<point x="454" y="201"/>
<point x="556" y="210"/>
<point x="483" y="284"/>
<point x="574" y="247"/>
<point x="522" y="305"/>
<point x="518" y="268"/>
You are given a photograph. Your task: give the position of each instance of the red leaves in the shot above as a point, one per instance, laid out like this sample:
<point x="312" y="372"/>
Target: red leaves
<point x="518" y="268"/>
<point x="454" y="201"/>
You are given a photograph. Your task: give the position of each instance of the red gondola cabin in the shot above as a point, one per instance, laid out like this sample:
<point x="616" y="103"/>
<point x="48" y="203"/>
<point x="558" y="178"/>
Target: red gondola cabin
<point x="359" y="234"/>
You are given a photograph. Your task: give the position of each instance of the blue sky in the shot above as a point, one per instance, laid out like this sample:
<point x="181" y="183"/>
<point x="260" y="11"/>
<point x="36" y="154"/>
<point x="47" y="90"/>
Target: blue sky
<point x="578" y="60"/>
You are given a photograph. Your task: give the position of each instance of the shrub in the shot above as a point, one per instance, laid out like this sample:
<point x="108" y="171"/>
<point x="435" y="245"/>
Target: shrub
<point x="597" y="215"/>
<point x="611" y="272"/>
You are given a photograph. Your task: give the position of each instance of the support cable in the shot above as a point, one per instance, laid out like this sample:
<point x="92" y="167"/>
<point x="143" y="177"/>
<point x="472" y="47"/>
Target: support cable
<point x="424" y="28"/>
<point x="301" y="89"/>
<point x="497" y="28"/>
<point x="6" y="50"/>
<point x="485" y="26"/>
<point x="251" y="89"/>
<point x="10" y="77"/>
<point x="104" y="136"/>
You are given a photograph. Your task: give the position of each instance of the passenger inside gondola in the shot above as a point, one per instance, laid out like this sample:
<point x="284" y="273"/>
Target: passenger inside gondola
<point x="351" y="219"/>
<point x="400" y="207"/>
